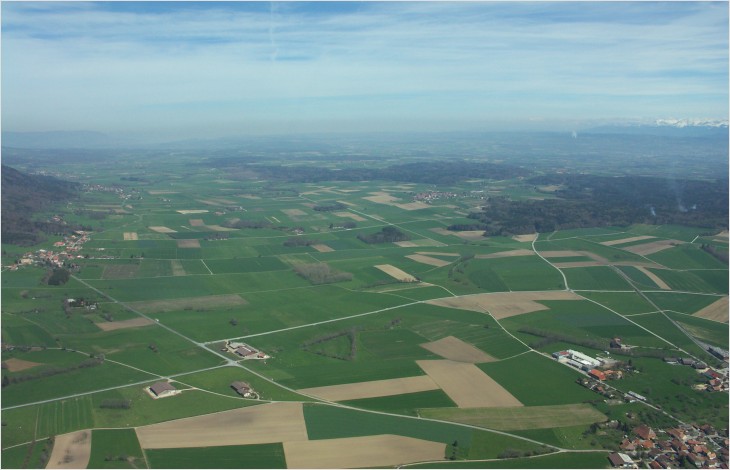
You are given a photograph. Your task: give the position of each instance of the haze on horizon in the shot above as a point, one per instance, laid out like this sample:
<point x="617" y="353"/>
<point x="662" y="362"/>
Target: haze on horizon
<point x="209" y="69"/>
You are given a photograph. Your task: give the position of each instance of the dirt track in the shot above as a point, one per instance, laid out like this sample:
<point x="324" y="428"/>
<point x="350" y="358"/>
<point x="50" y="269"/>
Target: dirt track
<point x="71" y="450"/>
<point x="361" y="452"/>
<point x="261" y="424"/>
<point x="467" y="385"/>
<point x="375" y="388"/>
<point x="457" y="350"/>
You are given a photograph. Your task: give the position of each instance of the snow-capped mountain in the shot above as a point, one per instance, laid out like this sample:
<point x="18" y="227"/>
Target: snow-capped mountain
<point x="692" y="122"/>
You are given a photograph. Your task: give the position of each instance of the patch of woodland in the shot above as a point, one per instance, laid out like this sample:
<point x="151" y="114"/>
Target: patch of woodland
<point x="321" y="273"/>
<point x="387" y="234"/>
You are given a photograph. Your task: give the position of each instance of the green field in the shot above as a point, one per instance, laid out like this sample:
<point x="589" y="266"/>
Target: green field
<point x="115" y="448"/>
<point x="250" y="456"/>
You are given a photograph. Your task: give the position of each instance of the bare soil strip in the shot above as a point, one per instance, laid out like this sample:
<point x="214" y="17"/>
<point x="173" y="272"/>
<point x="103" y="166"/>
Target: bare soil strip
<point x="470" y="234"/>
<point x="16" y="365"/>
<point x="441" y="231"/>
<point x="525" y="238"/>
<point x="653" y="247"/>
<point x="131" y="236"/>
<point x="375" y="388"/>
<point x="428" y="260"/>
<point x="261" y="424"/>
<point x="467" y="385"/>
<point x="71" y="450"/>
<point x="438" y="253"/>
<point x="627" y="240"/>
<point x="384" y="450"/>
<point x="717" y="311"/>
<point x="322" y="248"/>
<point x="220" y="228"/>
<point x="192" y="243"/>
<point x="520" y="418"/>
<point x="505" y="254"/>
<point x="120" y="325"/>
<point x="177" y="268"/>
<point x="192" y="211"/>
<point x="196" y="222"/>
<point x="350" y="215"/>
<point x="293" y="212"/>
<point x="657" y="280"/>
<point x="396" y="273"/>
<point x="194" y="303"/>
<point x="457" y="350"/>
<point x="504" y="304"/>
<point x="162" y="229"/>
<point x="571" y="253"/>
<point x="723" y="234"/>
<point x="406" y="244"/>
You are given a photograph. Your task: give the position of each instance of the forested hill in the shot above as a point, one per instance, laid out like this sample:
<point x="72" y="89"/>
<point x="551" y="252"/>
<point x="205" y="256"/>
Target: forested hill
<point x="24" y="195"/>
<point x="597" y="201"/>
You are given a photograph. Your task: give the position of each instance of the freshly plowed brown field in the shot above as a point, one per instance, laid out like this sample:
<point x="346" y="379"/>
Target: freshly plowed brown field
<point x="71" y="450"/>
<point x="653" y="247"/>
<point x="504" y="304"/>
<point x="261" y="424"/>
<point x="428" y="260"/>
<point x="361" y="452"/>
<point x="467" y="385"/>
<point x="457" y="350"/>
<point x="375" y="388"/>
<point x="120" y="325"/>
<point x="322" y="248"/>
<point x="717" y="311"/>
<point x="131" y="236"/>
<point x="191" y="243"/>
<point x="16" y="365"/>
<point x="396" y="273"/>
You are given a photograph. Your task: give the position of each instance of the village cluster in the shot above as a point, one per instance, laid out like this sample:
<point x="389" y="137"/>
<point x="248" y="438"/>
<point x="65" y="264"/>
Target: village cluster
<point x="68" y="249"/>
<point x="701" y="446"/>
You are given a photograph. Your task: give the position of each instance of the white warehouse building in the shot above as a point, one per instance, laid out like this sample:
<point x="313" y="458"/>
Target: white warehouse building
<point x="584" y="359"/>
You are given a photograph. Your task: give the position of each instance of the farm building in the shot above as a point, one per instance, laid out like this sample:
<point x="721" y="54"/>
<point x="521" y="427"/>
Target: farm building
<point x="561" y="355"/>
<point x="162" y="389"/>
<point x="583" y="358"/>
<point x="242" y="388"/>
<point x="644" y="432"/>
<point x="619" y="460"/>
<point x="244" y="351"/>
<point x="597" y="374"/>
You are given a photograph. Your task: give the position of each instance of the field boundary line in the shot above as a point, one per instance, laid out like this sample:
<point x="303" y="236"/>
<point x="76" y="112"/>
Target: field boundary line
<point x="206" y="267"/>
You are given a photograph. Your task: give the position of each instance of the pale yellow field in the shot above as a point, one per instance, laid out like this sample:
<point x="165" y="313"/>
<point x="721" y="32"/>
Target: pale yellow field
<point x="525" y="238"/>
<point x="249" y="196"/>
<point x="71" y="450"/>
<point x="131" y="236"/>
<point x="506" y="254"/>
<point x="457" y="350"/>
<point x="467" y="385"/>
<point x="627" y="240"/>
<point x="120" y="325"/>
<point x="293" y="212"/>
<point x="350" y="215"/>
<point x="412" y="206"/>
<point x="653" y="247"/>
<point x="196" y="222"/>
<point x="504" y="304"/>
<point x="162" y="229"/>
<point x="717" y="311"/>
<point x="261" y="424"/>
<point x="441" y="231"/>
<point x="428" y="260"/>
<point x="192" y="211"/>
<point x="193" y="303"/>
<point x="375" y="388"/>
<point x="405" y="244"/>
<point x="155" y="192"/>
<point x="723" y="234"/>
<point x="438" y="253"/>
<point x="396" y="273"/>
<point x="521" y="417"/>
<point x="216" y="201"/>
<point x="16" y="365"/>
<point x="177" y="268"/>
<point x="657" y="280"/>
<point x="470" y="234"/>
<point x="322" y="248"/>
<point x="361" y="452"/>
<point x="192" y="243"/>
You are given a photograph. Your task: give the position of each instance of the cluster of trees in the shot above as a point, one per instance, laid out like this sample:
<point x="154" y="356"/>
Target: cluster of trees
<point x="15" y="379"/>
<point x="387" y="234"/>
<point x="329" y="206"/>
<point x="599" y="201"/>
<point x="351" y="333"/>
<point x="427" y="171"/>
<point x="297" y="241"/>
<point x="719" y="255"/>
<point x="57" y="277"/>
<point x="24" y="195"/>
<point x="321" y="273"/>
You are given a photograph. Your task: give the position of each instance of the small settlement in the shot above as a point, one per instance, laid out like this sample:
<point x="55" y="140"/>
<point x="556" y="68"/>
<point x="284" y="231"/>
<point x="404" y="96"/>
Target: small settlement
<point x="244" y="350"/>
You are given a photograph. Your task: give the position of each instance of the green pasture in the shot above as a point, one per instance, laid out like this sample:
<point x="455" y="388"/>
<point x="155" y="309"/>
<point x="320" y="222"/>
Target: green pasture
<point x="520" y="374"/>
<point x="249" y="456"/>
<point x="660" y="325"/>
<point x="19" y="329"/>
<point x="712" y="332"/>
<point x="687" y="257"/>
<point x="521" y="273"/>
<point x="583" y="232"/>
<point x="625" y="303"/>
<point x="681" y="301"/>
<point x="706" y="281"/>
<point x="611" y="253"/>
<point x="115" y="448"/>
<point x="28" y="455"/>
<point x="676" y="232"/>
<point x="639" y="279"/>
<point x="219" y="381"/>
<point x="599" y="278"/>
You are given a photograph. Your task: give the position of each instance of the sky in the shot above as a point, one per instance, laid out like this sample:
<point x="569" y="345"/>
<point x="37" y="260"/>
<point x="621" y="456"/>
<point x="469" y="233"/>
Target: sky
<point x="212" y="69"/>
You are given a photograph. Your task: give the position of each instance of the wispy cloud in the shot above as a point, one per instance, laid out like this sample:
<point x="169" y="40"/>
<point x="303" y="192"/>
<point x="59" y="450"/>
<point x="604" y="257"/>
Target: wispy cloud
<point x="90" y="64"/>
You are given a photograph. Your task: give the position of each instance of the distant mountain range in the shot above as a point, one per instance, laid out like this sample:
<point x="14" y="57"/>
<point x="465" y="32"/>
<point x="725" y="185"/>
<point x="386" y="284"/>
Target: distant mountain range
<point x="666" y="128"/>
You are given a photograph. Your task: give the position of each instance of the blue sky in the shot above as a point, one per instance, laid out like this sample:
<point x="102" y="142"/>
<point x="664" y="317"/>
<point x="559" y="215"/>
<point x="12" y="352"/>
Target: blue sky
<point x="209" y="69"/>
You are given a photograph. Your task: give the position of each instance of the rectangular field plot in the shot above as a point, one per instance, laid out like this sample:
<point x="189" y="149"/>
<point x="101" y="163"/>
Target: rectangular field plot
<point x="595" y="278"/>
<point x="521" y="273"/>
<point x="245" y="265"/>
<point x="115" y="448"/>
<point x="407" y="403"/>
<point x="457" y="350"/>
<point x="505" y="304"/>
<point x="687" y="257"/>
<point x="518" y="418"/>
<point x="376" y="388"/>
<point x="193" y="303"/>
<point x="248" y="456"/>
<point x="716" y="311"/>
<point x="708" y="281"/>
